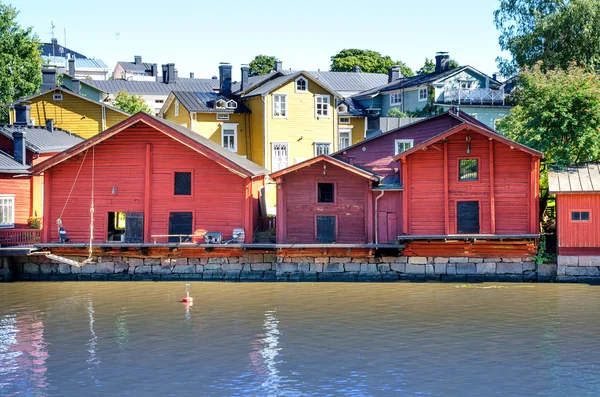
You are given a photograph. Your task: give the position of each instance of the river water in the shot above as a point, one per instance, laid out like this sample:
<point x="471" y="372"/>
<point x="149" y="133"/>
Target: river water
<point x="276" y="339"/>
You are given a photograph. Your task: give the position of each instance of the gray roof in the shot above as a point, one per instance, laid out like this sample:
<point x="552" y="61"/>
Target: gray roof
<point x="347" y="81"/>
<point x="204" y="102"/>
<point x="8" y="165"/>
<point x="244" y="163"/>
<point x="80" y="63"/>
<point x="252" y="81"/>
<point x="155" y="87"/>
<point x="580" y="178"/>
<point x="40" y="140"/>
<point x="133" y="67"/>
<point x="279" y="81"/>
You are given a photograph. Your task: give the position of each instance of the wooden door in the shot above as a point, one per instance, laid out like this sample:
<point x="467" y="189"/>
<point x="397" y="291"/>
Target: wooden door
<point x="134" y="227"/>
<point x="382" y="227"/>
<point x="467" y="214"/>
<point x="392" y="235"/>
<point x="181" y="223"/>
<point x="326" y="229"/>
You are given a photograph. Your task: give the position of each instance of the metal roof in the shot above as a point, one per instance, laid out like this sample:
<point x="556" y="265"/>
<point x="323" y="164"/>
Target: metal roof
<point x="347" y="81"/>
<point x="8" y="165"/>
<point x="133" y="67"/>
<point x="80" y="63"/>
<point x="155" y="87"/>
<point x="283" y="79"/>
<point x="58" y="50"/>
<point x="580" y="178"/>
<point x="354" y="108"/>
<point x="40" y="140"/>
<point x="204" y="102"/>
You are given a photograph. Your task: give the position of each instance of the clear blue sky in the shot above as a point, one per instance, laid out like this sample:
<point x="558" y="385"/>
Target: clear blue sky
<point x="197" y="35"/>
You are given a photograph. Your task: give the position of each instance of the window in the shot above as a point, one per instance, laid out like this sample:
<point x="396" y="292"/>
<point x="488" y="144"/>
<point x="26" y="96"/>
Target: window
<point x="396" y="99"/>
<point x="222" y="116"/>
<point x="344" y="120"/>
<point x="423" y="93"/>
<point x="221" y="104"/>
<point x="229" y="136"/>
<point x="402" y="145"/>
<point x="176" y="108"/>
<point x="7" y="211"/>
<point x="466" y="85"/>
<point x="580" y="216"/>
<point x="468" y="170"/>
<point x="279" y="155"/>
<point x="183" y="184"/>
<point x="279" y="105"/>
<point x="321" y="148"/>
<point x="57" y="97"/>
<point x="325" y="192"/>
<point x="301" y="85"/>
<point x="322" y="106"/>
<point x="159" y="101"/>
<point x="231" y="104"/>
<point x="345" y="138"/>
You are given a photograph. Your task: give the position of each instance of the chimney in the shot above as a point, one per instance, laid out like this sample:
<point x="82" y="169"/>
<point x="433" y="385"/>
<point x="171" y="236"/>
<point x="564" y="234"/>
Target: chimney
<point x="176" y="74"/>
<point x="356" y="69"/>
<point x="225" y="79"/>
<point x="214" y="77"/>
<point x="442" y="62"/>
<point x="50" y="125"/>
<point x="165" y="73"/>
<point x="278" y="65"/>
<point x="22" y="115"/>
<point x="154" y="70"/>
<point x="72" y="67"/>
<point x="137" y="59"/>
<point x="76" y="86"/>
<point x="171" y="73"/>
<point x="245" y="72"/>
<point x="495" y="76"/>
<point x="191" y="75"/>
<point x="19" y="153"/>
<point x="48" y="79"/>
<point x="54" y="41"/>
<point x="394" y="74"/>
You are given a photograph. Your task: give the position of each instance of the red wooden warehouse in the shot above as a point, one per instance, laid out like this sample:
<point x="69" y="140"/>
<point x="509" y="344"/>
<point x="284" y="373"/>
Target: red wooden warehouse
<point x="150" y="180"/>
<point x="577" y="192"/>
<point x="447" y="178"/>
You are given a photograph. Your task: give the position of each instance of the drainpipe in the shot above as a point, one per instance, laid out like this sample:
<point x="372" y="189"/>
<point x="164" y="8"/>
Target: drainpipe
<point x="265" y="149"/>
<point x="377" y="217"/>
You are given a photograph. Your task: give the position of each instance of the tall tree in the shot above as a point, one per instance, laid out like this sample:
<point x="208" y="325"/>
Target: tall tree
<point x="369" y="62"/>
<point x="558" y="113"/>
<point x="130" y="103"/>
<point x="262" y="64"/>
<point x="556" y="32"/>
<point x="20" y="60"/>
<point x="429" y="66"/>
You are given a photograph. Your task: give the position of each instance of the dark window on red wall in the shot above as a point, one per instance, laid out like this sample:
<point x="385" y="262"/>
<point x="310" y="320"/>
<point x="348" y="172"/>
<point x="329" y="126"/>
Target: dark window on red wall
<point x="326" y="192"/>
<point x="326" y="229"/>
<point x="468" y="170"/>
<point x="183" y="184"/>
<point x="580" y="216"/>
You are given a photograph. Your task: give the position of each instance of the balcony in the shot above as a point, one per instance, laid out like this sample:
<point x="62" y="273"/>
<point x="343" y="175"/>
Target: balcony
<point x="476" y="96"/>
<point x="19" y="237"/>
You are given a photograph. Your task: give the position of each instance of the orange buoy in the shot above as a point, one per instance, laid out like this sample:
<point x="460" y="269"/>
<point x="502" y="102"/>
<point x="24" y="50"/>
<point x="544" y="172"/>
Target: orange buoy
<point x="187" y="298"/>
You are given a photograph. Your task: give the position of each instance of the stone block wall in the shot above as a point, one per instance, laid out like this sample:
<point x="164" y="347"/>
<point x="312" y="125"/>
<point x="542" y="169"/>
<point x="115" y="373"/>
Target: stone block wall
<point x="578" y="268"/>
<point x="271" y="267"/>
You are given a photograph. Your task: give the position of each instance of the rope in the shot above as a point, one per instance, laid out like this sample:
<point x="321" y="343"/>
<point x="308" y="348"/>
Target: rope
<point x="92" y="205"/>
<point x="59" y="220"/>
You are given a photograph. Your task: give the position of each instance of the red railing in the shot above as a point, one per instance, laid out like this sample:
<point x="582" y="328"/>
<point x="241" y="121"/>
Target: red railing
<point x="15" y="237"/>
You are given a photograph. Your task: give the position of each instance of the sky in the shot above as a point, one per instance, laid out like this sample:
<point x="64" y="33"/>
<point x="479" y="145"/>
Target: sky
<point x="198" y="35"/>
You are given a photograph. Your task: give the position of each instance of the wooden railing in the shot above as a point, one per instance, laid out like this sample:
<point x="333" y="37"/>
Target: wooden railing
<point x="16" y="237"/>
<point x="476" y="96"/>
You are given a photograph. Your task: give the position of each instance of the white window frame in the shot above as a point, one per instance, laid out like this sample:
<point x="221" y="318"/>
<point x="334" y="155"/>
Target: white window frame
<point x="221" y="104"/>
<point x="343" y="120"/>
<point x="287" y="161"/>
<point x="327" y="109"/>
<point x="404" y="141"/>
<point x="344" y="130"/>
<point x="423" y="98"/>
<point x="396" y="99"/>
<point x="230" y="126"/>
<point x="176" y="107"/>
<point x="305" y="90"/>
<point x="468" y="85"/>
<point x="317" y="144"/>
<point x="11" y="199"/>
<point x="283" y="110"/>
<point x="223" y="116"/>
<point x="57" y="97"/>
<point x="231" y="104"/>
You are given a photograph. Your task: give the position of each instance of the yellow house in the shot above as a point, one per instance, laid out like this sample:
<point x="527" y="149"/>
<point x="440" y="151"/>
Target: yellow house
<point x="70" y="111"/>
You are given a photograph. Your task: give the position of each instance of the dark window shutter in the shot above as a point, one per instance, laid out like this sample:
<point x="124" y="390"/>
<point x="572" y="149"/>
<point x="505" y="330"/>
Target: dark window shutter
<point x="326" y="229"/>
<point x="183" y="183"/>
<point x="134" y="229"/>
<point x="180" y="223"/>
<point x="467" y="213"/>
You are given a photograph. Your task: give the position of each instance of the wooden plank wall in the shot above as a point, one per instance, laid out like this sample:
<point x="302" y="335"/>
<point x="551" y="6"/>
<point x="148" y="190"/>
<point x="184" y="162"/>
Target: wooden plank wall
<point x="21" y="188"/>
<point x="581" y="235"/>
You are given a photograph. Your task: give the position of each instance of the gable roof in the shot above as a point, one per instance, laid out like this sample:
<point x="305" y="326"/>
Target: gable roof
<point x="347" y="81"/>
<point x="202" y="102"/>
<point x="354" y="108"/>
<point x="579" y="178"/>
<point x="280" y="80"/>
<point x="235" y="163"/>
<point x="134" y="67"/>
<point x="9" y="165"/>
<point x="467" y="126"/>
<point x="80" y="63"/>
<point x="418" y="80"/>
<point x="155" y="87"/>
<point x="331" y="160"/>
<point x="39" y="140"/>
<point x="55" y="49"/>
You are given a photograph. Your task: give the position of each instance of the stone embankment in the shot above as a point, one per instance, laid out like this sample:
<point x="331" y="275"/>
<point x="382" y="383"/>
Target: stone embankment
<point x="578" y="268"/>
<point x="271" y="267"/>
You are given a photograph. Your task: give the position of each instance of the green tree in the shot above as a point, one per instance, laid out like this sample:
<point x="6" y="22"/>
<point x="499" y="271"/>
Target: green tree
<point x="558" y="113"/>
<point x="369" y="62"/>
<point x="396" y="112"/>
<point x="20" y="60"/>
<point x="130" y="103"/>
<point x="429" y="66"/>
<point x="556" y="32"/>
<point x="262" y="64"/>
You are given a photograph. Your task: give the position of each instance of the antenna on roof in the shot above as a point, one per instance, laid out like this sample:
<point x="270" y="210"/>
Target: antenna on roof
<point x="52" y="26"/>
<point x="65" y="37"/>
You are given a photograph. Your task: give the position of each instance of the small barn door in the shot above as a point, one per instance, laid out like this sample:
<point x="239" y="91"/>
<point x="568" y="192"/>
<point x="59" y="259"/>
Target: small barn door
<point x="467" y="213"/>
<point x="134" y="229"/>
<point x="392" y="236"/>
<point x="180" y="223"/>
<point x="326" y="229"/>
